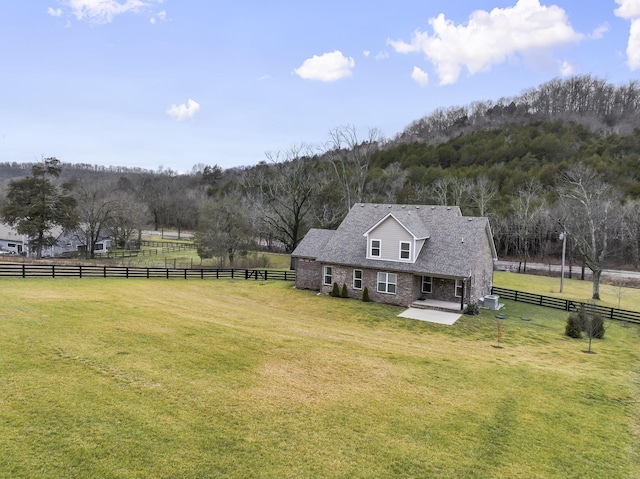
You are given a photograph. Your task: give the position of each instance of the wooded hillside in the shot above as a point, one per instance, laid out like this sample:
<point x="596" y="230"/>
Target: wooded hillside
<point x="515" y="160"/>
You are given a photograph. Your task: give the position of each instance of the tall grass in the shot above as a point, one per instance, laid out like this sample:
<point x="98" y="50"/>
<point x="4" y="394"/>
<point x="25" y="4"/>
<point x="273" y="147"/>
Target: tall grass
<point x="196" y="379"/>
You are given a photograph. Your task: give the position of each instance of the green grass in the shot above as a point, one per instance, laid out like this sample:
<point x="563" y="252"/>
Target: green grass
<point x="611" y="295"/>
<point x="195" y="379"/>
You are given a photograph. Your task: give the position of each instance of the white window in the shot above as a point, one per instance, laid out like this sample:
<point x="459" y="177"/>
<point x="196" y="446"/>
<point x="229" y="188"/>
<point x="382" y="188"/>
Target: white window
<point x="357" y="279"/>
<point x="405" y="250"/>
<point x="375" y="248"/>
<point x="327" y="277"/>
<point x="427" y="284"/>
<point x="459" y="288"/>
<point x="387" y="283"/>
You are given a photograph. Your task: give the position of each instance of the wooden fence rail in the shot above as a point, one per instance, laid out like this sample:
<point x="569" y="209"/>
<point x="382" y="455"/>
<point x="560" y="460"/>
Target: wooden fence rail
<point x="25" y="270"/>
<point x="567" y="304"/>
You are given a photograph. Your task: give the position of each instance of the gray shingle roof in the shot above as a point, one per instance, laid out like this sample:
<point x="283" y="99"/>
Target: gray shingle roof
<point x="312" y="243"/>
<point x="453" y="239"/>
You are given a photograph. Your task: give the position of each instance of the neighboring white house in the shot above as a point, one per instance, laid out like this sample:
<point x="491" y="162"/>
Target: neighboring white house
<point x="66" y="243"/>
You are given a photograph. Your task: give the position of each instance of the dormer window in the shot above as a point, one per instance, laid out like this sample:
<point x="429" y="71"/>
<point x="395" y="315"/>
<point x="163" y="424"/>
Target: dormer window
<point x="405" y="250"/>
<point x="375" y="248"/>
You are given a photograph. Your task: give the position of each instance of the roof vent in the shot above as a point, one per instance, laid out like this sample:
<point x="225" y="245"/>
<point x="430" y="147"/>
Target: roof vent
<point x="389" y="206"/>
<point x="448" y="207"/>
<point x="462" y="240"/>
<point x="469" y="219"/>
<point x="375" y="206"/>
<point x="433" y="207"/>
<point x="403" y="206"/>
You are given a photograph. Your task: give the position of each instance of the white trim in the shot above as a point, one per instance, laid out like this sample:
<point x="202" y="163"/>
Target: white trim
<point x="408" y="258"/>
<point x="370" y="250"/>
<point x="459" y="285"/>
<point x="387" y="282"/>
<point x="357" y="279"/>
<point x="325" y="274"/>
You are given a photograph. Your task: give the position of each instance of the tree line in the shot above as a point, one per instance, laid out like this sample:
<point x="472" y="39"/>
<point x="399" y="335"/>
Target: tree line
<point x="534" y="178"/>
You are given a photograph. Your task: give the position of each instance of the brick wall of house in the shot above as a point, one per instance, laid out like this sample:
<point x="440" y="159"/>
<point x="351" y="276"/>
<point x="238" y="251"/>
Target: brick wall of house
<point x="405" y="286"/>
<point x="308" y="274"/>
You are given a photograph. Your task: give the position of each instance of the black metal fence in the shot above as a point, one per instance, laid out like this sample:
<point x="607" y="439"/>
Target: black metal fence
<point x="567" y="304"/>
<point x="36" y="270"/>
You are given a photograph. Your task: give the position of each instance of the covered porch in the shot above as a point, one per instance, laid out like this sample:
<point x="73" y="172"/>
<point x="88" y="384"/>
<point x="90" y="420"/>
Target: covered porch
<point x="439" y="305"/>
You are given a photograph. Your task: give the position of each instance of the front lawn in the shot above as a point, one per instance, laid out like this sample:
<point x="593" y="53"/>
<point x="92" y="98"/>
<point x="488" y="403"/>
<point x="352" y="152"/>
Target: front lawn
<point x="195" y="379"/>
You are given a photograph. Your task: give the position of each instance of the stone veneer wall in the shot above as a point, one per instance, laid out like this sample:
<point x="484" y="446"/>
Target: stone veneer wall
<point x="404" y="295"/>
<point x="308" y="274"/>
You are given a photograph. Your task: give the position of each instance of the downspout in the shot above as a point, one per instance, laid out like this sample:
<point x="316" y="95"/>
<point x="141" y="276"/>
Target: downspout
<point x="464" y="283"/>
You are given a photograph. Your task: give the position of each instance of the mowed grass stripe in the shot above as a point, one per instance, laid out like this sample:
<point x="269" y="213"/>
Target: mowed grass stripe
<point x="113" y="378"/>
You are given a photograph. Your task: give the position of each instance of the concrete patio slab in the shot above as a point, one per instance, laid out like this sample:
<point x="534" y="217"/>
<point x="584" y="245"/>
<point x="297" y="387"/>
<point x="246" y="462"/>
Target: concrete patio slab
<point x="430" y="315"/>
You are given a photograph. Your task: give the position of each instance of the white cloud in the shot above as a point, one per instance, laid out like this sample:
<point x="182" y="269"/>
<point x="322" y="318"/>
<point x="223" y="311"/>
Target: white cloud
<point x="420" y="76"/>
<point x="630" y="9"/>
<point x="327" y="67"/>
<point x="366" y="53"/>
<point x="184" y="111"/>
<point x="490" y="38"/>
<point x="161" y="16"/>
<point x="599" y="32"/>
<point x="54" y="12"/>
<point x="103" y="11"/>
<point x="383" y="55"/>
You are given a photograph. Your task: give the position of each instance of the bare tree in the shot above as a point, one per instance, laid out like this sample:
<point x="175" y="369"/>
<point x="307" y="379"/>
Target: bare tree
<point x="283" y="192"/>
<point x="350" y="158"/>
<point x="481" y="193"/>
<point x="527" y="209"/>
<point x="631" y="229"/>
<point x="96" y="202"/>
<point x="223" y="229"/>
<point x="589" y="214"/>
<point x="129" y="217"/>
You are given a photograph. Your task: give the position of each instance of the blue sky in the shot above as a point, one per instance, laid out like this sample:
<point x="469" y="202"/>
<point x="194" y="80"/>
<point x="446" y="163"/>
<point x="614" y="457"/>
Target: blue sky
<point x="175" y="83"/>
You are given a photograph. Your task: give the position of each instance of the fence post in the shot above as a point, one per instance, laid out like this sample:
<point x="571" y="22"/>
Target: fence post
<point x="53" y="270"/>
<point x="24" y="273"/>
<point x="80" y="271"/>
<point x="265" y="274"/>
<point x="185" y="273"/>
<point x="231" y="273"/>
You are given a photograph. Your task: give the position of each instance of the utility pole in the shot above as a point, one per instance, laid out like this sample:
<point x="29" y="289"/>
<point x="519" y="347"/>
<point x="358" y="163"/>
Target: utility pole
<point x="563" y="237"/>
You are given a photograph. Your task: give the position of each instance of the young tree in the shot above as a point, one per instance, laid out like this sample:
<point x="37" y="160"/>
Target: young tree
<point x="35" y="205"/>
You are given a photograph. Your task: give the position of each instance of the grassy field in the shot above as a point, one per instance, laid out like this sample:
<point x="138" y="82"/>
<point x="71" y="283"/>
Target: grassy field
<point x="611" y="295"/>
<point x="199" y="379"/>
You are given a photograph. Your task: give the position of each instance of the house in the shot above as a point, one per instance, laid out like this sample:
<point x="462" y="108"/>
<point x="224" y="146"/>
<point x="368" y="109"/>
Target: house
<point x="10" y="240"/>
<point x="66" y="242"/>
<point x="402" y="254"/>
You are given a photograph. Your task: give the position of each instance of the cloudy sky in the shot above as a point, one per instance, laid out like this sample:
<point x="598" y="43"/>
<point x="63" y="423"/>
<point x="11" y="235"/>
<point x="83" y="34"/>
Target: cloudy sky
<point x="174" y="83"/>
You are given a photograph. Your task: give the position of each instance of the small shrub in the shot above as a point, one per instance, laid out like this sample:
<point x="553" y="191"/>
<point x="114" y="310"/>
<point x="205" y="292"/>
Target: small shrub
<point x="473" y="309"/>
<point x="345" y="293"/>
<point x="335" y="292"/>
<point x="365" y="295"/>
<point x="574" y="326"/>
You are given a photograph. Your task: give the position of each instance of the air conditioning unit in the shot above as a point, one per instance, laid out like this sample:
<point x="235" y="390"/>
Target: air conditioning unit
<point x="491" y="301"/>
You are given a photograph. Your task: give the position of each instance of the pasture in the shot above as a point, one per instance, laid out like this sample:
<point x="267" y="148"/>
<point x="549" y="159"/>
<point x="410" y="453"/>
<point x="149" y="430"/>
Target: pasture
<point x="240" y="379"/>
